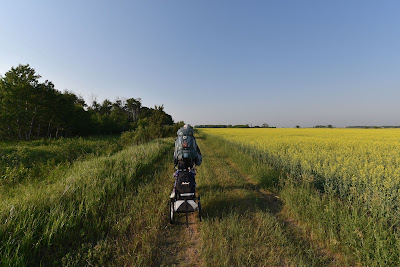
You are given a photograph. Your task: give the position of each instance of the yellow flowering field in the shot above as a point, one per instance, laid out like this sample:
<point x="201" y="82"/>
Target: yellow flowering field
<point x="362" y="161"/>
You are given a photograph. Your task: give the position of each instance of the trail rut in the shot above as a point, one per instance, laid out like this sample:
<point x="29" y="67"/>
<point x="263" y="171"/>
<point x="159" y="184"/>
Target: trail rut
<point x="180" y="245"/>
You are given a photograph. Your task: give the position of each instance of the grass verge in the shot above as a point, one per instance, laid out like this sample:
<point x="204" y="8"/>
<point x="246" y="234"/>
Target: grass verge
<point x="87" y="216"/>
<point x="23" y="161"/>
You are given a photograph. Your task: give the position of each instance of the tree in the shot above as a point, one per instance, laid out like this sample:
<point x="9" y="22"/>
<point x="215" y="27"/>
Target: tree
<point x="265" y="125"/>
<point x="132" y="107"/>
<point x="19" y="101"/>
<point x="156" y="122"/>
<point x="29" y="108"/>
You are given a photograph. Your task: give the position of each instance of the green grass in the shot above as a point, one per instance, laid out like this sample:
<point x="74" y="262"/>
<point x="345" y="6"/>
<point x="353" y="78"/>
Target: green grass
<point x="101" y="210"/>
<point x="241" y="227"/>
<point x="23" y="161"/>
<point x="347" y="227"/>
<point x="106" y="208"/>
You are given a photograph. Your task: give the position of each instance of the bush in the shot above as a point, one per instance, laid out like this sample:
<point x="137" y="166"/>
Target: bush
<point x="127" y="138"/>
<point x="142" y="135"/>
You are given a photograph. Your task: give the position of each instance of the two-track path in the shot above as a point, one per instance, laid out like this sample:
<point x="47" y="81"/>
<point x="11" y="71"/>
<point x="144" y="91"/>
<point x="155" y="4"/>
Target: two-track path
<point x="243" y="224"/>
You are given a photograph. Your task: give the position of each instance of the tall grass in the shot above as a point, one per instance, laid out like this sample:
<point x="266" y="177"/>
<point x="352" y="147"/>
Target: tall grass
<point x="345" y="226"/>
<point x="22" y="161"/>
<point x="77" y="219"/>
<point x="240" y="227"/>
<point x="349" y="225"/>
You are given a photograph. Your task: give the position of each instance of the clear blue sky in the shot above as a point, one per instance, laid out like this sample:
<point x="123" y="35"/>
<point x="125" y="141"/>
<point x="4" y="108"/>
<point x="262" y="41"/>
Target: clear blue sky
<point x="285" y="63"/>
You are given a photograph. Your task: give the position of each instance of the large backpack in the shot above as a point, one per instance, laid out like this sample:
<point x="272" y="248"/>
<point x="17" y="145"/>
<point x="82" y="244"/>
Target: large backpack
<point x="185" y="183"/>
<point x="185" y="145"/>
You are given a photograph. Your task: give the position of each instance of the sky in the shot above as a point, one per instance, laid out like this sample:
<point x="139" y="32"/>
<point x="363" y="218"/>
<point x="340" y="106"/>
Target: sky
<point x="284" y="63"/>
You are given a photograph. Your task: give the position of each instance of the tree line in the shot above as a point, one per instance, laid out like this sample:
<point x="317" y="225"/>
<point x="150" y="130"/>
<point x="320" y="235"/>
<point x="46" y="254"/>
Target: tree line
<point x="264" y="125"/>
<point x="222" y="126"/>
<point x="31" y="109"/>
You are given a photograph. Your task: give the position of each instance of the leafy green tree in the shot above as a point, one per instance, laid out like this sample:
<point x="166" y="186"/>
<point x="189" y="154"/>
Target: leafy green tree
<point x="132" y="107"/>
<point x="31" y="109"/>
<point x="19" y="98"/>
<point x="156" y="121"/>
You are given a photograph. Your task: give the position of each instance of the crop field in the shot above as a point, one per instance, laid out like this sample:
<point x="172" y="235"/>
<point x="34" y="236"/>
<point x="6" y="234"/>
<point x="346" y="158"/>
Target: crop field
<point x="270" y="197"/>
<point x="357" y="169"/>
<point x="353" y="162"/>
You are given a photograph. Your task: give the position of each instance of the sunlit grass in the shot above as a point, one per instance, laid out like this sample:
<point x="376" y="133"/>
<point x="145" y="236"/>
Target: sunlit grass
<point x="25" y="161"/>
<point x="341" y="184"/>
<point x="240" y="227"/>
<point x="77" y="219"/>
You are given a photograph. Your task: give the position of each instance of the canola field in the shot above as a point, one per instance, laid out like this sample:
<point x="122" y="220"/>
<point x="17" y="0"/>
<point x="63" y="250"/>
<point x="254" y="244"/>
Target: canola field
<point x="362" y="164"/>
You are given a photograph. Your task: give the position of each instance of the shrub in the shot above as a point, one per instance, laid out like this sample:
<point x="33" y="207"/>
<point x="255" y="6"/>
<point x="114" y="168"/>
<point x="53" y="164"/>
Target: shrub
<point x="127" y="138"/>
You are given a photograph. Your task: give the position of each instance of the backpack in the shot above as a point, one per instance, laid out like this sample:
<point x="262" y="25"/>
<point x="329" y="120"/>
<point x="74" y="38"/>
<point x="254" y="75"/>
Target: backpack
<point x="185" y="145"/>
<point x="185" y="183"/>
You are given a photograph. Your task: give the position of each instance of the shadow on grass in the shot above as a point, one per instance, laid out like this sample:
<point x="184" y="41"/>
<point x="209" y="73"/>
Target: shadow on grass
<point x="269" y="178"/>
<point x="70" y="242"/>
<point x="252" y="201"/>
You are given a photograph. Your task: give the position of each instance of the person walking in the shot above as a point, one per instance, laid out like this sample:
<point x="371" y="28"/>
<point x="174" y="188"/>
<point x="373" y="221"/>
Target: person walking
<point x="187" y="153"/>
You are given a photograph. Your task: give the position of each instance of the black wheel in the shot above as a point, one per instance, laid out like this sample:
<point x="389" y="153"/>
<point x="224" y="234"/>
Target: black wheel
<point x="199" y="204"/>
<point x="171" y="211"/>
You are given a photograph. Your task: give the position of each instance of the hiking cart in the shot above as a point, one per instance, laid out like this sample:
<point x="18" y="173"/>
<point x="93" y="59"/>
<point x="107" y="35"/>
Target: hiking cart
<point x="183" y="198"/>
<point x="183" y="203"/>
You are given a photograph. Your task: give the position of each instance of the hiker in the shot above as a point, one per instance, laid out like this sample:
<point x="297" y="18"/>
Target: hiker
<point x="187" y="153"/>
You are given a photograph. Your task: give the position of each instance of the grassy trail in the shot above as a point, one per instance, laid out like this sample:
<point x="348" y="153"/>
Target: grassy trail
<point x="243" y="225"/>
<point x="180" y="246"/>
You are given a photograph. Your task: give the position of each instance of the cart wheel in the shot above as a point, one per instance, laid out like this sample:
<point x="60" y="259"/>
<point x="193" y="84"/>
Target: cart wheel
<point x="199" y="204"/>
<point x="171" y="211"/>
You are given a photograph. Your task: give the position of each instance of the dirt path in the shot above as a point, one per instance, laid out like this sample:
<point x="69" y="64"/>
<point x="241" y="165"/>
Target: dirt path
<point x="243" y="224"/>
<point x="180" y="245"/>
